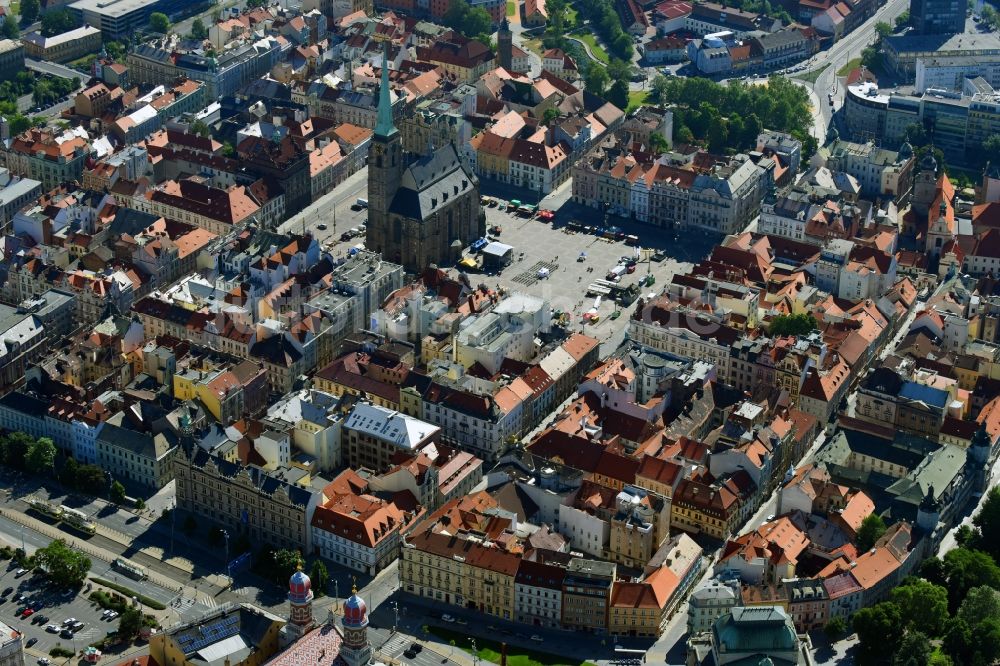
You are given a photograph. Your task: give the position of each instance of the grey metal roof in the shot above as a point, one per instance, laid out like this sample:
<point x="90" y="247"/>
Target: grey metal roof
<point x="431" y="183"/>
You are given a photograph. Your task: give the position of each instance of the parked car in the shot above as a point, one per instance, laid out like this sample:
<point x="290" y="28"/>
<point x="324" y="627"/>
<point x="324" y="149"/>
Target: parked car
<point x="31" y="641"/>
<point x="52" y="629"/>
<point x="28" y="612"/>
<point x="68" y="621"/>
<point x="6" y="592"/>
<point x="113" y="615"/>
<point x="43" y="661"/>
<point x="66" y="633"/>
<point x="537" y="638"/>
<point x="20" y="572"/>
<point x="321" y="226"/>
<point x="447" y="618"/>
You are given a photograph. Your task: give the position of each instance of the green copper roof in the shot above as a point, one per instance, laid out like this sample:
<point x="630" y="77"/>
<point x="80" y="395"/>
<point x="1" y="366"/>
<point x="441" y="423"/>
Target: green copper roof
<point x="383" y="124"/>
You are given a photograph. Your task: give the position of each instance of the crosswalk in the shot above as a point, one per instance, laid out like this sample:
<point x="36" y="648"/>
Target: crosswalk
<point x="395" y="645"/>
<point x="87" y="634"/>
<point x="183" y="604"/>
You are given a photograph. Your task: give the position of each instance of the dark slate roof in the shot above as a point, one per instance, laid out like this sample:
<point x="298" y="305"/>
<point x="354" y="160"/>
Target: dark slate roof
<point x="139" y="443"/>
<point x="130" y="221"/>
<point x="432" y="182"/>
<point x="25" y="404"/>
<point x="262" y="481"/>
<point x="277" y="350"/>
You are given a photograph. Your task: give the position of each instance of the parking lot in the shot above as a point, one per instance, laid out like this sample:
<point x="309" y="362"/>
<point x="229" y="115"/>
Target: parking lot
<point x="575" y="259"/>
<point x="49" y="606"/>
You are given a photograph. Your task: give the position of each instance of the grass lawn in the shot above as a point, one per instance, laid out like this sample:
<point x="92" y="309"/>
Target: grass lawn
<point x="511" y="8"/>
<point x="490" y="651"/>
<point x="572" y="17"/>
<point x="15" y="7"/>
<point x="83" y="63"/>
<point x="636" y="98"/>
<point x="810" y="77"/>
<point x="534" y="45"/>
<point x="851" y="64"/>
<point x="595" y="48"/>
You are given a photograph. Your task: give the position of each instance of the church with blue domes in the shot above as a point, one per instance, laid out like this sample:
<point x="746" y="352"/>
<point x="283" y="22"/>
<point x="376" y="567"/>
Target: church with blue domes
<point x="305" y="642"/>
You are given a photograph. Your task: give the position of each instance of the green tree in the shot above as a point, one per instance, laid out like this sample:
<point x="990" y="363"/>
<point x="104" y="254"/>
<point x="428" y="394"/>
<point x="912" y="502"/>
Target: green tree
<point x="201" y="129"/>
<point x="198" y="30"/>
<point x="9" y="29"/>
<point x="718" y="136"/>
<point x="916" y="135"/>
<point x="981" y="603"/>
<point x="986" y="642"/>
<point x="618" y="94"/>
<point x="658" y="89"/>
<point x="320" y="577"/>
<point x="29" y="11"/>
<point x="882" y="30"/>
<point x="989" y="16"/>
<point x="129" y="623"/>
<point x="117" y="492"/>
<point x="835" y="628"/>
<point x="924" y="606"/>
<point x="902" y="19"/>
<point x="67" y="567"/>
<point x="285" y="563"/>
<point x="116" y="51"/>
<point x="67" y="475"/>
<point x="91" y="478"/>
<point x="551" y="115"/>
<point x="41" y="456"/>
<point x="966" y="536"/>
<point x="987" y="520"/>
<point x="58" y="21"/>
<point x="454" y="16"/>
<point x="871" y="530"/>
<point x="880" y="630"/>
<point x="597" y="80"/>
<point x="870" y="57"/>
<point x="800" y="324"/>
<point x="16" y="449"/>
<point x="683" y="134"/>
<point x="966" y="569"/>
<point x="658" y="144"/>
<point x="957" y="641"/>
<point x="140" y="504"/>
<point x="619" y="70"/>
<point x="159" y="22"/>
<point x="939" y="658"/>
<point x="914" y="650"/>
<point x="752" y="127"/>
<point x="478" y="22"/>
<point x="227" y="149"/>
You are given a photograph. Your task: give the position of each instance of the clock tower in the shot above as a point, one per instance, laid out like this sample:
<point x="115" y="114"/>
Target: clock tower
<point x="385" y="166"/>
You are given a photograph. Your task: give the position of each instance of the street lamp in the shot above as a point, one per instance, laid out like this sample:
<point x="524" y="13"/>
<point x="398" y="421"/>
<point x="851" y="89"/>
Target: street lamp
<point x="395" y="623"/>
<point x="229" y="575"/>
<point x="475" y="652"/>
<point x="336" y="595"/>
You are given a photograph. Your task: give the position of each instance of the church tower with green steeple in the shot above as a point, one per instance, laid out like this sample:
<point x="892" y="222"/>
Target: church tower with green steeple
<point x="385" y="166"/>
<point x="422" y="209"/>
